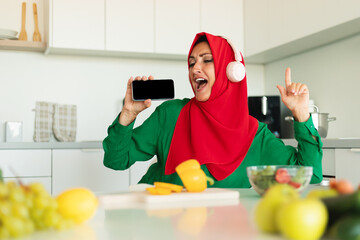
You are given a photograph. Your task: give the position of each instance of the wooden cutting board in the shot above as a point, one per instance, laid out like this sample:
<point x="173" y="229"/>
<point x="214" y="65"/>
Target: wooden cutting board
<point x="209" y="197"/>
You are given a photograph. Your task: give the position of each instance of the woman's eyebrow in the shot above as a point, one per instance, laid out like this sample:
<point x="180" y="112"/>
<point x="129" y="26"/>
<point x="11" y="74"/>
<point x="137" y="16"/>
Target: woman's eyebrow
<point x="204" y="54"/>
<point x="201" y="55"/>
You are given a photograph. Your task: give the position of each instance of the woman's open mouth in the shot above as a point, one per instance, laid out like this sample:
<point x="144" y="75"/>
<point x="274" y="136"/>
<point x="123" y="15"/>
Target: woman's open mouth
<point x="200" y="83"/>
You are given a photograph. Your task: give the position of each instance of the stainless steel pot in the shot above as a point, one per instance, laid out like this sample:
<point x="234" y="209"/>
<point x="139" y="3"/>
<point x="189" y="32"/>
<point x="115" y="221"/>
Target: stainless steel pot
<point x="320" y="120"/>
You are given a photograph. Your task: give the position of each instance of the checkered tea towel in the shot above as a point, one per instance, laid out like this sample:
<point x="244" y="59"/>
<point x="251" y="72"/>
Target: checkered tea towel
<point x="64" y="123"/>
<point x="43" y="121"/>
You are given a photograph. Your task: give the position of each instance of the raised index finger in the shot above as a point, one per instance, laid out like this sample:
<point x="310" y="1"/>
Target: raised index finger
<point x="287" y="77"/>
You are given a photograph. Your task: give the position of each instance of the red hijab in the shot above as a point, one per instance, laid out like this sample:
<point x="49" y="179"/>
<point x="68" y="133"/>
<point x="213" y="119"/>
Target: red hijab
<point x="219" y="131"/>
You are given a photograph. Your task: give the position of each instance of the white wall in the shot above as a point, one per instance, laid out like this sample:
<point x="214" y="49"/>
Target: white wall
<point x="332" y="74"/>
<point x="271" y="23"/>
<point x="255" y="79"/>
<point x="95" y="84"/>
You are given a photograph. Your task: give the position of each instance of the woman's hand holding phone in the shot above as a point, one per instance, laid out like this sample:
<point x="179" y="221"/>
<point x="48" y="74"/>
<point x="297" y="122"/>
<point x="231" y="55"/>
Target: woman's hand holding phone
<point x="132" y="108"/>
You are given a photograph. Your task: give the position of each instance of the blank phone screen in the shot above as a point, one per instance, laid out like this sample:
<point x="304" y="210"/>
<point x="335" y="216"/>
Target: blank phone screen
<point x="153" y="89"/>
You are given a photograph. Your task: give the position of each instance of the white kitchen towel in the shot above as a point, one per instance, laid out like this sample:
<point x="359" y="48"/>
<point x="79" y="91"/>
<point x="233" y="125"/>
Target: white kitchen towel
<point x="43" y="121"/>
<point x="64" y="123"/>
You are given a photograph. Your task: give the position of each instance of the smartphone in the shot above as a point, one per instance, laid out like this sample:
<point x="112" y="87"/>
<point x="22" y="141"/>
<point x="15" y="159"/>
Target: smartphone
<point x="154" y="89"/>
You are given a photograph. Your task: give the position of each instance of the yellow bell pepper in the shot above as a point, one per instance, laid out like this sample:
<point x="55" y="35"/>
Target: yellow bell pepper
<point x="162" y="188"/>
<point x="158" y="190"/>
<point x="192" y="176"/>
<point x="172" y="187"/>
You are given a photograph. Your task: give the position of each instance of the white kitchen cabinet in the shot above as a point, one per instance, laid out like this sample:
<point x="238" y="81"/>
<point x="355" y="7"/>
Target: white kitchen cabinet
<point x="84" y="168"/>
<point x="77" y="24"/>
<point x="279" y="28"/>
<point x="347" y="165"/>
<point x="225" y="18"/>
<point x="130" y="25"/>
<point x="328" y="162"/>
<point x="176" y="23"/>
<point x="27" y="165"/>
<point x="156" y="28"/>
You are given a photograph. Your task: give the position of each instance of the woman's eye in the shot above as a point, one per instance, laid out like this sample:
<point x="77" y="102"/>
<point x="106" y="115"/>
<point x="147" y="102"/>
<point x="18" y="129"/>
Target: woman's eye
<point x="208" y="60"/>
<point x="191" y="64"/>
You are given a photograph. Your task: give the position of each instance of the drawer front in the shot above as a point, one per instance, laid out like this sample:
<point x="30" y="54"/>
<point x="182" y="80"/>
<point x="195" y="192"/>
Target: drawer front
<point x="84" y="168"/>
<point x="25" y="163"/>
<point x="328" y="162"/>
<point x="348" y="165"/>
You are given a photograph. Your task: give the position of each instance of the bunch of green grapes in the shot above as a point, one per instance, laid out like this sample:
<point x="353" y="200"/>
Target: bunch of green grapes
<point x="27" y="208"/>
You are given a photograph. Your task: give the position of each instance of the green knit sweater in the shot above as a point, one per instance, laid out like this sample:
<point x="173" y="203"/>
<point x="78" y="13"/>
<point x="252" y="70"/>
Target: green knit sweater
<point x="125" y="145"/>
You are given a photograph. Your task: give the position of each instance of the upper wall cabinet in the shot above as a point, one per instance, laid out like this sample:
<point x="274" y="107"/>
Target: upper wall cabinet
<point x="224" y="18"/>
<point x="278" y="28"/>
<point x="77" y="24"/>
<point x="139" y="28"/>
<point x="176" y="23"/>
<point x="129" y="25"/>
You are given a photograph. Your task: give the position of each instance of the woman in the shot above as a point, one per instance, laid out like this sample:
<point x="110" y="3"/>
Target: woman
<point x="214" y="127"/>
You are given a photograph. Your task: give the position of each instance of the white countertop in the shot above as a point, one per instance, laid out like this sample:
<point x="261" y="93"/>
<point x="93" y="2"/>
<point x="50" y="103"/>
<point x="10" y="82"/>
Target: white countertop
<point x="204" y="221"/>
<point x="332" y="142"/>
<point x="51" y="145"/>
<point x="327" y="143"/>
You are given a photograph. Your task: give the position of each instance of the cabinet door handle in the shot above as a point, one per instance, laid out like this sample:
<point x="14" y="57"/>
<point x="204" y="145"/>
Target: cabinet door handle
<point x="356" y="150"/>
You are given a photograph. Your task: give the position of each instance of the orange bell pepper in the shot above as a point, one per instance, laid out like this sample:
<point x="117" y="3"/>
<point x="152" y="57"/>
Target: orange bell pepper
<point x="192" y="176"/>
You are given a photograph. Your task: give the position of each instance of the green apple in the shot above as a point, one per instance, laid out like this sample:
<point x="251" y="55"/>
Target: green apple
<point x="266" y="209"/>
<point x="302" y="219"/>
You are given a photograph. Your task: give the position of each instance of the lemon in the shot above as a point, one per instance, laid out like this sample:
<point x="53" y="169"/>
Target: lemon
<point x="273" y="199"/>
<point x="302" y="219"/>
<point x="77" y="204"/>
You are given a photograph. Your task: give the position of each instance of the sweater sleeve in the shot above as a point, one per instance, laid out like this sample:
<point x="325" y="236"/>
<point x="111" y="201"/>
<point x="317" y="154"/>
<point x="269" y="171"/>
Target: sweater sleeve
<point x="309" y="148"/>
<point x="308" y="152"/>
<point x="125" y="145"/>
